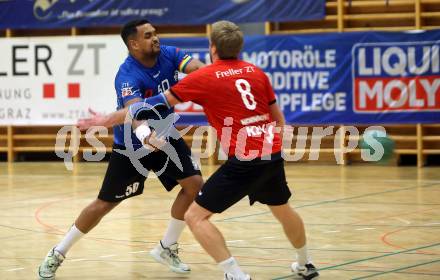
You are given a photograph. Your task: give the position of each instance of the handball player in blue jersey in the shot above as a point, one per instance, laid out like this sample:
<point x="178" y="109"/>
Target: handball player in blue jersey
<point x="254" y="167"/>
<point x="149" y="69"/>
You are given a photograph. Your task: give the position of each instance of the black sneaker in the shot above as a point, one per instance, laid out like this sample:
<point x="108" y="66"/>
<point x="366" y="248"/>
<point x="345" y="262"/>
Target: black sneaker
<point x="307" y="272"/>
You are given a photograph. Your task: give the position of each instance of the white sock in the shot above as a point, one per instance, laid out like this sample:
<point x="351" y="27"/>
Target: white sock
<point x="174" y="230"/>
<point x="73" y="235"/>
<point x="302" y="256"/>
<point x="231" y="266"/>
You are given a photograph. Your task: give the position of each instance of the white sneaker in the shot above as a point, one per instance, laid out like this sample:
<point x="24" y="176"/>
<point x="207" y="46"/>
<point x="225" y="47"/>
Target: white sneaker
<point x="232" y="277"/>
<point x="51" y="262"/>
<point x="169" y="257"/>
<point x="306" y="272"/>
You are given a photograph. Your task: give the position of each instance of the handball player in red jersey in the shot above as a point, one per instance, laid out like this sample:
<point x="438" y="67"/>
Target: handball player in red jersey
<point x="240" y="104"/>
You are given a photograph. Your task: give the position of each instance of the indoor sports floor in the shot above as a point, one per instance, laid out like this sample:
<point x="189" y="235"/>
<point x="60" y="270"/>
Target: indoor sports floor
<point x="363" y="222"/>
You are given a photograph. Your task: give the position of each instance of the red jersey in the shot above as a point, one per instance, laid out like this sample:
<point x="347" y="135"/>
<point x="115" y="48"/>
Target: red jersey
<point x="235" y="96"/>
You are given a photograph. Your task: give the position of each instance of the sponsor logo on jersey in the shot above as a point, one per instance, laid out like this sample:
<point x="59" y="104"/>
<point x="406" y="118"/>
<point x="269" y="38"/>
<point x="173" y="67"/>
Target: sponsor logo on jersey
<point x="259" y="130"/>
<point x="126" y="90"/>
<point x="255" y="119"/>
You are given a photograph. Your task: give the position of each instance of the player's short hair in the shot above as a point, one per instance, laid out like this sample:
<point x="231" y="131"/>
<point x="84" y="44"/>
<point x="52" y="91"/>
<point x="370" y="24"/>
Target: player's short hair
<point x="130" y="28"/>
<point x="228" y="39"/>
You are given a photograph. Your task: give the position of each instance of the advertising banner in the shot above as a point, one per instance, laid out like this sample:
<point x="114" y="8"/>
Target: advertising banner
<point x="85" y="13"/>
<point x="350" y="78"/>
<point x="54" y="80"/>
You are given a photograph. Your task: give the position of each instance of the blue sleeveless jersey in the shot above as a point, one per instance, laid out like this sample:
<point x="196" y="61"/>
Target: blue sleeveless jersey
<point x="134" y="80"/>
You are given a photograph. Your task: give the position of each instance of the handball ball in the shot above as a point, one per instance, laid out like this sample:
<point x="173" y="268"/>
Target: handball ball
<point x="376" y="146"/>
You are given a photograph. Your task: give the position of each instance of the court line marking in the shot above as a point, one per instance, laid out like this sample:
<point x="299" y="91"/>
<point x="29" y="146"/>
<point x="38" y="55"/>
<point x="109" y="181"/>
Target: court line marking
<point x="384" y="237"/>
<point x="34" y="199"/>
<point x="415" y="272"/>
<point x="58" y="230"/>
<point x="197" y="244"/>
<point x="340" y="225"/>
<point x="77" y="260"/>
<point x="107" y="256"/>
<point x="14" y="269"/>
<point x="382" y="203"/>
<point x="362" y="268"/>
<point x="332" y="201"/>
<point x="350" y="180"/>
<point x="402" y="220"/>
<point x="252" y="265"/>
<point x="19" y="176"/>
<point x="370" y="194"/>
<point x="315" y="249"/>
<point x="366" y="259"/>
<point x="302" y="180"/>
<point x="126" y="241"/>
<point x="396" y="216"/>
<point x="14" y="236"/>
<point x="396" y="270"/>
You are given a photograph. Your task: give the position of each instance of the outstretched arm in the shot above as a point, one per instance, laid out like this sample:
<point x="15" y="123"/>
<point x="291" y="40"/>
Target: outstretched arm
<point x="134" y="111"/>
<point x="98" y="119"/>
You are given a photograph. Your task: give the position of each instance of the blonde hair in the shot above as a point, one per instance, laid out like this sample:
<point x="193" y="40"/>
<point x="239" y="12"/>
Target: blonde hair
<point x="228" y="39"/>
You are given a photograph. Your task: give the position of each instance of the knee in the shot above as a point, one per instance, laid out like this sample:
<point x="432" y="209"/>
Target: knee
<point x="101" y="207"/>
<point x="191" y="218"/>
<point x="196" y="215"/>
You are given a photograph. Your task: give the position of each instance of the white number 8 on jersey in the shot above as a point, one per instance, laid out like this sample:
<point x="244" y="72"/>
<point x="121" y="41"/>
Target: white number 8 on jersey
<point x="244" y="88"/>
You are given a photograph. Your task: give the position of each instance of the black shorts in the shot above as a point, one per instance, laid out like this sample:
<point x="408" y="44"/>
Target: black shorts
<point x="262" y="180"/>
<point x="122" y="180"/>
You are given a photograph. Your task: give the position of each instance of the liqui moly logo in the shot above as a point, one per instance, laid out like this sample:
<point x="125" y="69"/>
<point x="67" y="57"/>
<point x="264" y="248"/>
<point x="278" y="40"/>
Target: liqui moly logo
<point x="396" y="77"/>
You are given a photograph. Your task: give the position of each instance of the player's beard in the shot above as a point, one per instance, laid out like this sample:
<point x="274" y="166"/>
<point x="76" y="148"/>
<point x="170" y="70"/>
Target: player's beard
<point x="155" y="52"/>
<point x="155" y="49"/>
